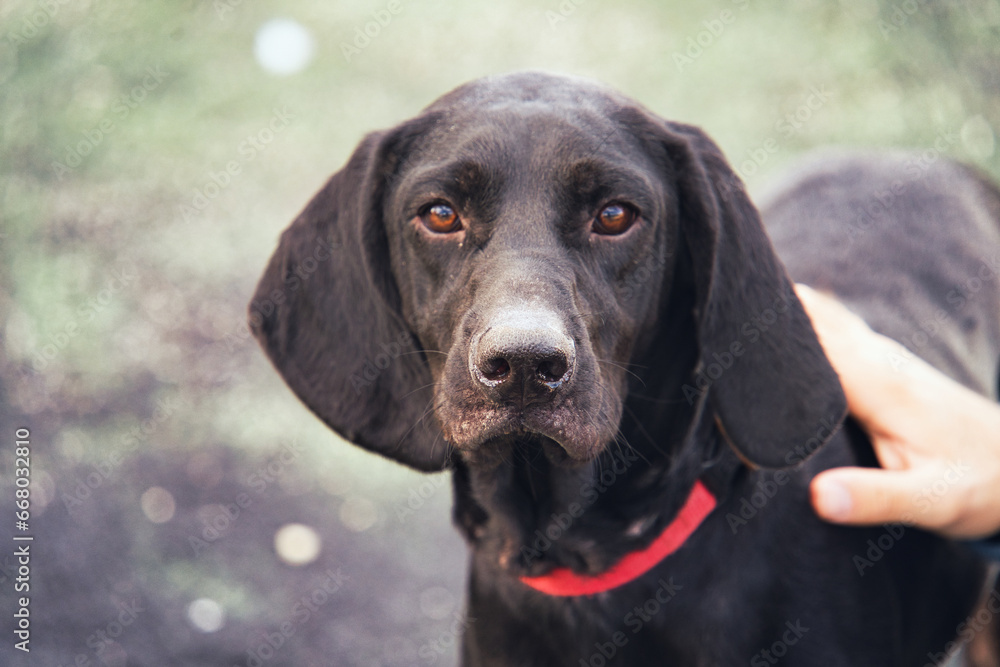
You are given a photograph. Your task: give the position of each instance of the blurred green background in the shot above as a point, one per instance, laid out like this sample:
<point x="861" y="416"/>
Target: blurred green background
<point x="150" y="154"/>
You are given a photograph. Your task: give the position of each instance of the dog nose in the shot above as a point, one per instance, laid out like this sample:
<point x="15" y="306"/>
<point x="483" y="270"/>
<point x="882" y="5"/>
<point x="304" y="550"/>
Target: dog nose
<point x="523" y="357"/>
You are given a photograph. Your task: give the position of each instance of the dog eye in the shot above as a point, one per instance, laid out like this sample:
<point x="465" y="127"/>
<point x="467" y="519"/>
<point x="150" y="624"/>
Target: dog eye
<point x="614" y="219"/>
<point x="441" y="218"/>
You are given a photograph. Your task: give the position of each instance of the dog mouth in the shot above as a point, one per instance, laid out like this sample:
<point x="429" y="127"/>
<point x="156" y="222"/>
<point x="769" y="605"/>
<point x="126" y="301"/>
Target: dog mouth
<point x="573" y="424"/>
<point x="568" y="432"/>
<point x="492" y="450"/>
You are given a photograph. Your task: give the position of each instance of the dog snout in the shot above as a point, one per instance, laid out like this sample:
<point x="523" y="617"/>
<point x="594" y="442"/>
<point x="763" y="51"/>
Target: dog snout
<point x="522" y="357"/>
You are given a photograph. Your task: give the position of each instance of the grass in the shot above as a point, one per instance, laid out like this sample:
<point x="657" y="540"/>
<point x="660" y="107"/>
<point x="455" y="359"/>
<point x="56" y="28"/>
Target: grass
<point x="115" y="117"/>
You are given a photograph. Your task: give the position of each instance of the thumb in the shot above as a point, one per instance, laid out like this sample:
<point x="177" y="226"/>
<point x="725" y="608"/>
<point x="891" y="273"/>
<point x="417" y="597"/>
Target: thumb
<point x="871" y="496"/>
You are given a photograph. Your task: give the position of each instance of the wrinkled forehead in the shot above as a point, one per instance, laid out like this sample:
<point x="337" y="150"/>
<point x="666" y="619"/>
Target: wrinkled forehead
<point x="560" y="116"/>
<point x="535" y="138"/>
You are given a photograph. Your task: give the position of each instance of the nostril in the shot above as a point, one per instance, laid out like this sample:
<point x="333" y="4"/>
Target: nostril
<point x="521" y="358"/>
<point x="495" y="369"/>
<point x="553" y="369"/>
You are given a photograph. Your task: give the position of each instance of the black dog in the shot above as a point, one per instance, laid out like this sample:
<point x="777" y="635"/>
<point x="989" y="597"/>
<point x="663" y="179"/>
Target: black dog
<point x="572" y="304"/>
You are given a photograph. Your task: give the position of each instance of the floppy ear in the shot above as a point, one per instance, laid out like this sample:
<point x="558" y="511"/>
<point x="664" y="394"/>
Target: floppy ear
<point x="775" y="395"/>
<point x="326" y="312"/>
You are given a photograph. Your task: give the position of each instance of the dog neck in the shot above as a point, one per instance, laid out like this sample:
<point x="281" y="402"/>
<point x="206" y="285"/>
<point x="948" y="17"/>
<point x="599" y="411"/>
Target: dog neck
<point x="564" y="582"/>
<point x="592" y="527"/>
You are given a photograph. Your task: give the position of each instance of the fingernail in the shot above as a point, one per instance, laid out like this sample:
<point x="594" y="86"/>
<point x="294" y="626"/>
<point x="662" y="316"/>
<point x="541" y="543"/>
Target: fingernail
<point x="835" y="500"/>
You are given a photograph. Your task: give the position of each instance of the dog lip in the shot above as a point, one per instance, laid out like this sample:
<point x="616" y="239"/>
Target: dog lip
<point x="558" y="447"/>
<point x="502" y="436"/>
<point x="554" y="450"/>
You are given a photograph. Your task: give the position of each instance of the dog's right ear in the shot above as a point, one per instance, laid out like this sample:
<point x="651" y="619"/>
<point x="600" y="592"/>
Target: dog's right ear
<point x="774" y="392"/>
<point x="326" y="312"/>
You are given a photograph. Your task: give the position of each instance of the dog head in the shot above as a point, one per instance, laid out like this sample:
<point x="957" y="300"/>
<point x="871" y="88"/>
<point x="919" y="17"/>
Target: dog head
<point x="518" y="263"/>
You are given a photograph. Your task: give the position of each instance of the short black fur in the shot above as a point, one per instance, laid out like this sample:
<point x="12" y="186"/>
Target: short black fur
<point x="682" y="354"/>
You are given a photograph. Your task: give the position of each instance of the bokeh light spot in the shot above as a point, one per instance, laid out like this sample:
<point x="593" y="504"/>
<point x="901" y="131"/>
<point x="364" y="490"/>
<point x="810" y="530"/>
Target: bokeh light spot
<point x="297" y="544"/>
<point x="283" y="46"/>
<point x="358" y="514"/>
<point x="206" y="615"/>
<point x="158" y="504"/>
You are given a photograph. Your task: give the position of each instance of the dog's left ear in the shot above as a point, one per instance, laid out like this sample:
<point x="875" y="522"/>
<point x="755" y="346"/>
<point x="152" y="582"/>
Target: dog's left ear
<point x="327" y="313"/>
<point x="775" y="395"/>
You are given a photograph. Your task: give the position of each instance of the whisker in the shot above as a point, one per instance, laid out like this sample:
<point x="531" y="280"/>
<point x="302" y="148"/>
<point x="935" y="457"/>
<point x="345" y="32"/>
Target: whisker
<point x="449" y="448"/>
<point x="403" y="354"/>
<point x="591" y="315"/>
<point x="431" y="407"/>
<point x="621" y="366"/>
<point x="624" y="364"/>
<point x="421" y="388"/>
<point x="620" y="439"/>
<point x="642" y="429"/>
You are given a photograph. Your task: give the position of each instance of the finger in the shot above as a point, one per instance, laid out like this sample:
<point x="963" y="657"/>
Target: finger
<point x="870" y="496"/>
<point x="858" y="354"/>
<point x="837" y="327"/>
<point x="877" y="373"/>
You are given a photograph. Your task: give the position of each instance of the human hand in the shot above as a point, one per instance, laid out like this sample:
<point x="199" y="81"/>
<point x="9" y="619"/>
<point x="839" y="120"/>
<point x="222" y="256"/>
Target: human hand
<point x="938" y="442"/>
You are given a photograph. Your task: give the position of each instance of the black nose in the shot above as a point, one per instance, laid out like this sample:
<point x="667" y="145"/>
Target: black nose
<point x="523" y="357"/>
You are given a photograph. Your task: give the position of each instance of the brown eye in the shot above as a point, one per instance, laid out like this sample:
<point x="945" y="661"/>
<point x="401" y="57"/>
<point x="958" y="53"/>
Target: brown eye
<point x="441" y="219"/>
<point x="614" y="219"/>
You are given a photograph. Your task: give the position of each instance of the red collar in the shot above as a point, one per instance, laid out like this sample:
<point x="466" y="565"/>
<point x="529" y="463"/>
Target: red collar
<point x="564" y="582"/>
